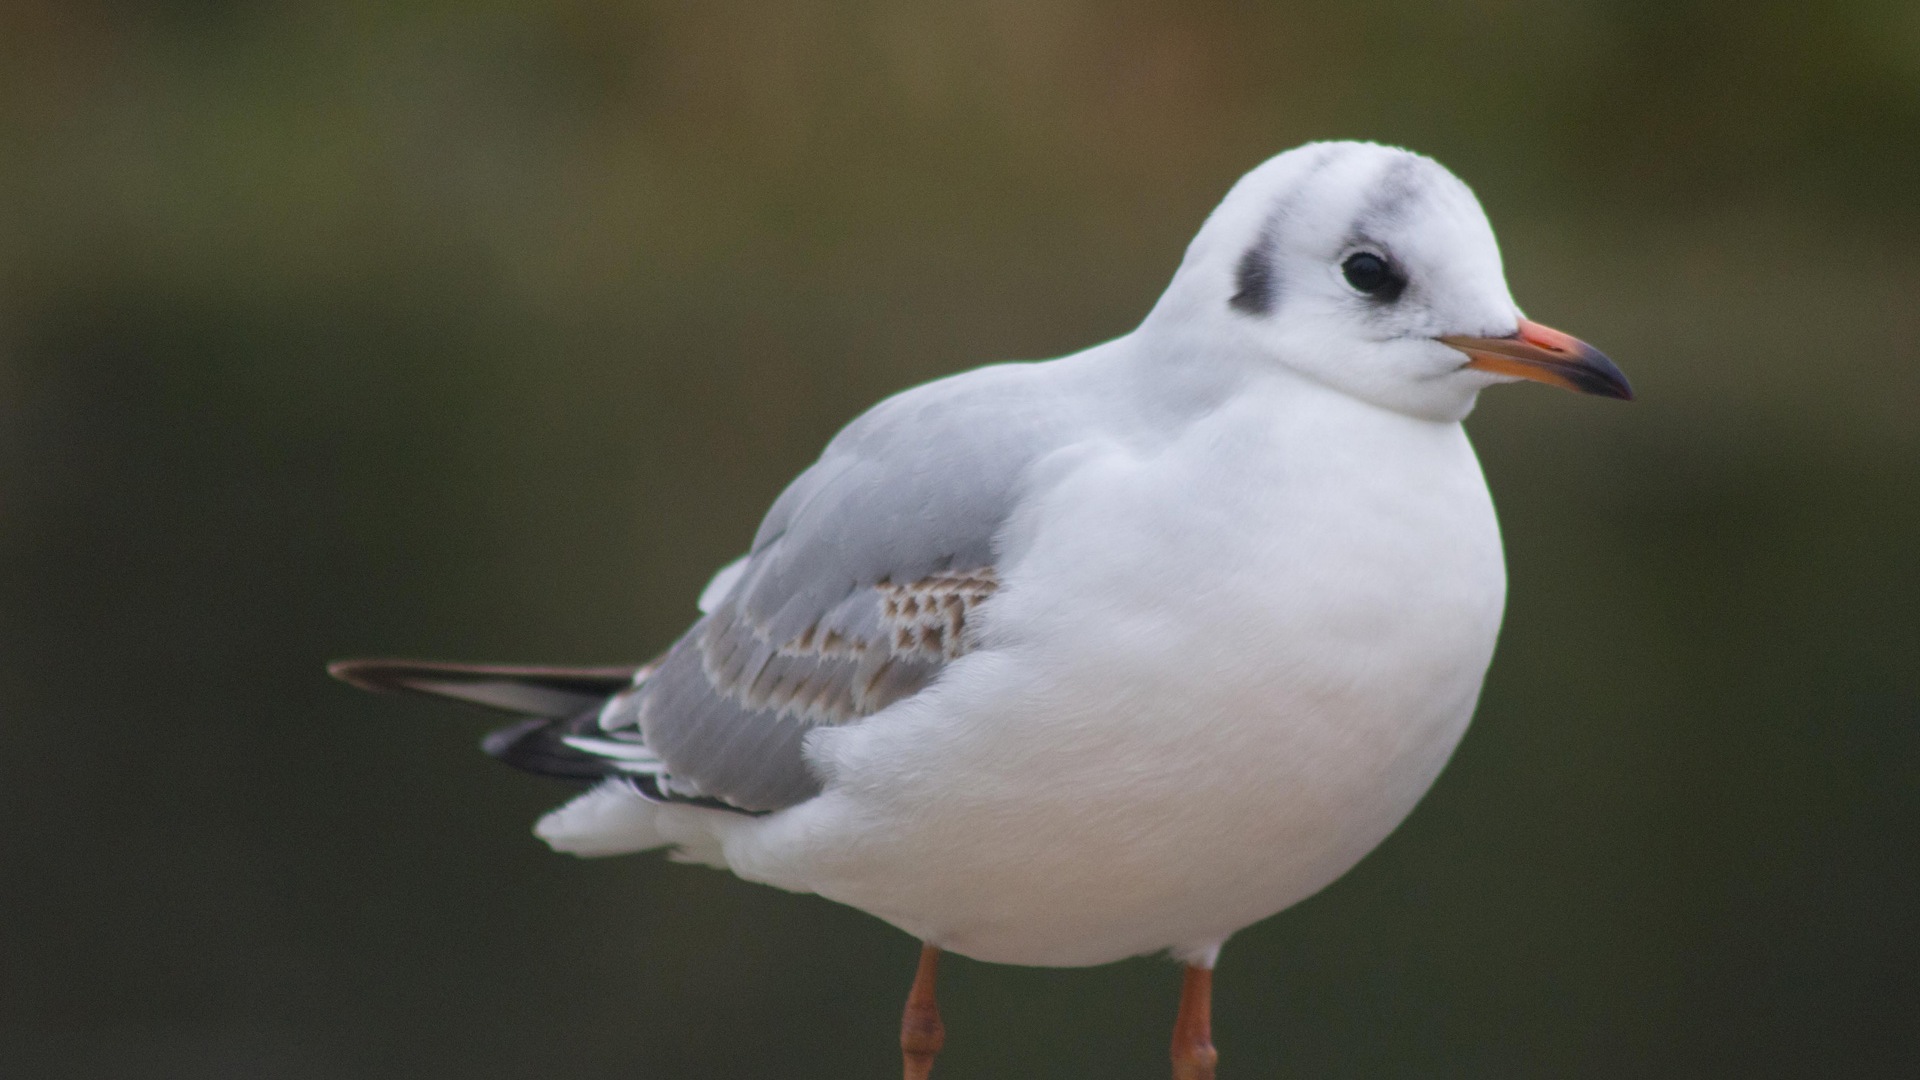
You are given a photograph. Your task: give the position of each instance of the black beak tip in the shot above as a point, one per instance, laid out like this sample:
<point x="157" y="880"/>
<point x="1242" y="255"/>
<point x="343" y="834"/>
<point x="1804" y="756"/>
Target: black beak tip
<point x="1600" y="376"/>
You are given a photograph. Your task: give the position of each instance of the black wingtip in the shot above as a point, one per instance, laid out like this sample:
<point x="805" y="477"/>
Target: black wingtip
<point x="531" y="690"/>
<point x="390" y="676"/>
<point x="539" y="746"/>
<point x="375" y="676"/>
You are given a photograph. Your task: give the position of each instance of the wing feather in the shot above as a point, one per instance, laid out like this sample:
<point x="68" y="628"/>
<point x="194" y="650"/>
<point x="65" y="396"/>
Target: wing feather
<point x="863" y="584"/>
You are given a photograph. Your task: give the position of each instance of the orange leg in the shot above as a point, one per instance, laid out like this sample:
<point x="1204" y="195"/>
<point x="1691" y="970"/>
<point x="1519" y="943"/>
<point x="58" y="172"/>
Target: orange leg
<point x="1193" y="1054"/>
<point x="921" y="1033"/>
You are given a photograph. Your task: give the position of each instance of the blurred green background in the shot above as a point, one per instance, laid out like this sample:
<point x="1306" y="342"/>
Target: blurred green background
<point x="486" y="330"/>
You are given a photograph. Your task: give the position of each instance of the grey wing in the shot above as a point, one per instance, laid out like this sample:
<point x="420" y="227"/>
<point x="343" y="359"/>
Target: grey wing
<point x="864" y="582"/>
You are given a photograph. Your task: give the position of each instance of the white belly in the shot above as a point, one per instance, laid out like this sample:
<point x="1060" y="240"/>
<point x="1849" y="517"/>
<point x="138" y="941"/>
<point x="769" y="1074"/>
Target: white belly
<point x="1175" y="726"/>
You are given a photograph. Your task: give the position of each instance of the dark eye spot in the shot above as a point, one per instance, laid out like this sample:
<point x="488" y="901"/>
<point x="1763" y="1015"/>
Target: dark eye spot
<point x="1255" y="281"/>
<point x="1373" y="275"/>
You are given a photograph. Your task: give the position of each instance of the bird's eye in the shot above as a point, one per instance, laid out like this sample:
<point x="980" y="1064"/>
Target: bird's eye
<point x="1371" y="274"/>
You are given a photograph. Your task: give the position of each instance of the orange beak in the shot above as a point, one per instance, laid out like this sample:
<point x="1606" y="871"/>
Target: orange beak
<point x="1546" y="355"/>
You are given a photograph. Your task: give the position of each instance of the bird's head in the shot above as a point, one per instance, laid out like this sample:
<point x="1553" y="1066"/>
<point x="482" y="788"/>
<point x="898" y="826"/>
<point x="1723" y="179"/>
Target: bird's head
<point x="1372" y="270"/>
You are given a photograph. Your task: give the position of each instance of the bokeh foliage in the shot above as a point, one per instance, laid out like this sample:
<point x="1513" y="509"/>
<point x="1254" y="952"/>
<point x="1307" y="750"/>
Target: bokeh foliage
<point x="487" y="329"/>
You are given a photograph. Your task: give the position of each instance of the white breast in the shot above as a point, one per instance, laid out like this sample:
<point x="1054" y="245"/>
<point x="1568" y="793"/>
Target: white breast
<point x="1179" y="724"/>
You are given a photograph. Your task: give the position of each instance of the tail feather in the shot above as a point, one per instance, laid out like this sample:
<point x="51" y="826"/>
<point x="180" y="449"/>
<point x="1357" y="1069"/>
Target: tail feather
<point x="560" y="733"/>
<point x="559" y="703"/>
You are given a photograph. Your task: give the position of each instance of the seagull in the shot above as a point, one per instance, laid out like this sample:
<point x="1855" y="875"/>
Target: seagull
<point x="1064" y="662"/>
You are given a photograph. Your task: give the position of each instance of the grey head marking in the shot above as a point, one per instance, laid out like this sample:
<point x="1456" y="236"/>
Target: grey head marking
<point x="1256" y="280"/>
<point x="1392" y="196"/>
<point x="1398" y="186"/>
<point x="1255" y="286"/>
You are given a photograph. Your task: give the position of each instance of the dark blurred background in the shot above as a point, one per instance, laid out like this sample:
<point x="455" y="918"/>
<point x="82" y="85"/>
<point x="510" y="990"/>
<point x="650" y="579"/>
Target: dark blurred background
<point x="486" y="330"/>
